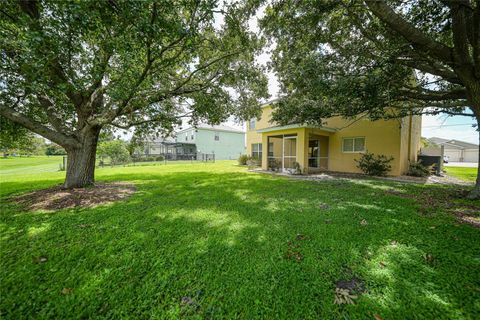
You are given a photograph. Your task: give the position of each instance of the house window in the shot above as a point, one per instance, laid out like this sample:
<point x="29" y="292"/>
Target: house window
<point x="257" y="150"/>
<point x="191" y="137"/>
<point x="186" y="136"/>
<point x="353" y="144"/>
<point x="217" y="136"/>
<point x="270" y="149"/>
<point x="251" y="124"/>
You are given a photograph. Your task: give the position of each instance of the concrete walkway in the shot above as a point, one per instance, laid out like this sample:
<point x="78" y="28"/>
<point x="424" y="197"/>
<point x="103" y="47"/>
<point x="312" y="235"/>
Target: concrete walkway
<point x="444" y="179"/>
<point x="462" y="164"/>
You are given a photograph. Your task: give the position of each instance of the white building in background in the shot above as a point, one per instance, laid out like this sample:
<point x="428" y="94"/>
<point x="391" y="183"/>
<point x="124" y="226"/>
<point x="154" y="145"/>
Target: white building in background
<point x="225" y="143"/>
<point x="456" y="150"/>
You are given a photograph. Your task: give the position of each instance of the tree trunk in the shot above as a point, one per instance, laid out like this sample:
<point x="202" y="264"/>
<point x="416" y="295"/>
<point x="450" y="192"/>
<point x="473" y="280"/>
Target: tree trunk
<point x="81" y="161"/>
<point x="475" y="192"/>
<point x="473" y="95"/>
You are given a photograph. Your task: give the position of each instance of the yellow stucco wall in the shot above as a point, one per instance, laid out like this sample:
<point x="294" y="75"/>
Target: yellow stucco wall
<point x="388" y="137"/>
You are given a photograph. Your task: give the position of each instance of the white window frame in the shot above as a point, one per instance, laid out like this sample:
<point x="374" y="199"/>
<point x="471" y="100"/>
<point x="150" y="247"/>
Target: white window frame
<point x="259" y="150"/>
<point x="354" y="138"/>
<point x="254" y="121"/>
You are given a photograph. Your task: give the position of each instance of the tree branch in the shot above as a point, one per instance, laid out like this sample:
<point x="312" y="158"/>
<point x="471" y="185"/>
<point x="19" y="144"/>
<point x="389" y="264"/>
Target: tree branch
<point x="416" y="37"/>
<point x="37" y="127"/>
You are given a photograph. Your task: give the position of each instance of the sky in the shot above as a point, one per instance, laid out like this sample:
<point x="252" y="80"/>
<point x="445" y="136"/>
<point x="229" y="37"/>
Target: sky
<point x="441" y="126"/>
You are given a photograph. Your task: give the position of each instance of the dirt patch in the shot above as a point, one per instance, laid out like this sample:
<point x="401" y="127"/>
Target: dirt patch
<point x="451" y="201"/>
<point x="57" y="198"/>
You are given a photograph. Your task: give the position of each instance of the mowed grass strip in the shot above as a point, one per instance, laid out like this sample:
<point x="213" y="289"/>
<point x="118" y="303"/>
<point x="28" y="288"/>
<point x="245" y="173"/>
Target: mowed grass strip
<point x="467" y="174"/>
<point x="214" y="241"/>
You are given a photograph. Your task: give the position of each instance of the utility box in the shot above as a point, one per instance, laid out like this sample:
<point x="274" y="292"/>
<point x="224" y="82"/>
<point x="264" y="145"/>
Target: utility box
<point x="436" y="161"/>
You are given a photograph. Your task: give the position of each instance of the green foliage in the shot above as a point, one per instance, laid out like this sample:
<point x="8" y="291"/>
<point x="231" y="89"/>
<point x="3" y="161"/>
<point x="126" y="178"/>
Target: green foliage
<point x="417" y="169"/>
<point x="345" y="58"/>
<point x="242" y="160"/>
<point x="136" y="145"/>
<point x="208" y="241"/>
<point x="127" y="63"/>
<point x="247" y="160"/>
<point x="374" y="165"/>
<point x="115" y="150"/>
<point x="16" y="139"/>
<point x="274" y="164"/>
<point x="54" y="149"/>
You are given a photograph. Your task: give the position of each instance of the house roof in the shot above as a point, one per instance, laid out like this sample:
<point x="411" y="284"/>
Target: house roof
<point x="453" y="143"/>
<point x="295" y="126"/>
<point x="220" y="127"/>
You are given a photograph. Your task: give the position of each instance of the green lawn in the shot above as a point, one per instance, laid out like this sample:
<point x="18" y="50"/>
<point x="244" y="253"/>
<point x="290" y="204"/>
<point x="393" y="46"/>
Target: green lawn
<point x="213" y="241"/>
<point x="467" y="174"/>
<point x="14" y="166"/>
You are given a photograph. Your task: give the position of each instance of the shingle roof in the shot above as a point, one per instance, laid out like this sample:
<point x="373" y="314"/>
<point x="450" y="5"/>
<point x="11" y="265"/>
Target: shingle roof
<point x="453" y="143"/>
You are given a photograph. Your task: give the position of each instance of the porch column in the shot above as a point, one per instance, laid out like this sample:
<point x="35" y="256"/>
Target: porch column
<point x="264" y="151"/>
<point x="302" y="149"/>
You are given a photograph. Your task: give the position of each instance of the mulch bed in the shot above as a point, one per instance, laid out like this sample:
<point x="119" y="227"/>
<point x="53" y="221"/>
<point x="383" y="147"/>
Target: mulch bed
<point x="57" y="198"/>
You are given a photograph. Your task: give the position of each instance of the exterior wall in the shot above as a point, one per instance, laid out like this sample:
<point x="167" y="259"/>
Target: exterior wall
<point x="253" y="136"/>
<point x="471" y="155"/>
<point x="410" y="141"/>
<point x="229" y="146"/>
<point x="381" y="137"/>
<point x="387" y="137"/>
<point x="461" y="155"/>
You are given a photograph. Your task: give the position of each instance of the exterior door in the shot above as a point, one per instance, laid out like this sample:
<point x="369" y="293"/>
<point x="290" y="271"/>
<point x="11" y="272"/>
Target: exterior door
<point x="289" y="152"/>
<point x="313" y="153"/>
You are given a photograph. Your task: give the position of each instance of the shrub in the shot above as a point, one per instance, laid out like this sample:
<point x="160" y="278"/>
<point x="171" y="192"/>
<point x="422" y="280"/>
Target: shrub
<point x="159" y="158"/>
<point x="242" y="160"/>
<point x="274" y="164"/>
<point x="374" y="165"/>
<point x="116" y="150"/>
<point x="417" y="169"/>
<point x="253" y="162"/>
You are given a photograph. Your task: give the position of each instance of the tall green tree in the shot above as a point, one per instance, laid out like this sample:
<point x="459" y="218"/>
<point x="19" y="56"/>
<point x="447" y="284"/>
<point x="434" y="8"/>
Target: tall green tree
<point x="71" y="68"/>
<point x="375" y="58"/>
<point x="13" y="137"/>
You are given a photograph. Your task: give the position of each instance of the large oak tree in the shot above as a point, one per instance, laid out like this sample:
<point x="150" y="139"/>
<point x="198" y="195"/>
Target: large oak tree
<point x="69" y="69"/>
<point x="369" y="57"/>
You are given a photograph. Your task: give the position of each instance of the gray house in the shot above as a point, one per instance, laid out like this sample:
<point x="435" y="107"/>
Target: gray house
<point x="456" y="150"/>
<point x="223" y="141"/>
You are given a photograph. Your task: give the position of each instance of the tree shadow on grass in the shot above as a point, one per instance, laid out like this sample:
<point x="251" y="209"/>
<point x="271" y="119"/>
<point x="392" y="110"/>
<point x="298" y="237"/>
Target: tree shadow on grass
<point x="215" y="245"/>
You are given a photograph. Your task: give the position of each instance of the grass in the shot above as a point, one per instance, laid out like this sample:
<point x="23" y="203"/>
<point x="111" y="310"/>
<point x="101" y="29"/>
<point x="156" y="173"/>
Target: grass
<point x="212" y="241"/>
<point x="13" y="166"/>
<point x="467" y="174"/>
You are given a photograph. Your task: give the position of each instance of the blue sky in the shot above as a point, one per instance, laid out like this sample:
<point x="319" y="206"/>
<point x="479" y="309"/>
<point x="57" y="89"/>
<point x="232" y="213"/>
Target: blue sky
<point x="457" y="127"/>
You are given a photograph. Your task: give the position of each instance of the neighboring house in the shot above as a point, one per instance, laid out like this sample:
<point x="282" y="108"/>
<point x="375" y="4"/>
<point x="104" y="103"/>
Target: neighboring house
<point x="335" y="145"/>
<point x="169" y="148"/>
<point x="456" y="150"/>
<point x="223" y="141"/>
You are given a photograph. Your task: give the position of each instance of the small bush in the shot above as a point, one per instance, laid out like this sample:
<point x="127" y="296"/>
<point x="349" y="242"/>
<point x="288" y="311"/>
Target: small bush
<point x="374" y="165"/>
<point x="242" y="160"/>
<point x="159" y="158"/>
<point x="417" y="169"/>
<point x="274" y="164"/>
<point x="253" y="162"/>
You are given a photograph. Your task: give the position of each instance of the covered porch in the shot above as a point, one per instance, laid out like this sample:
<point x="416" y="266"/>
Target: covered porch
<point x="286" y="148"/>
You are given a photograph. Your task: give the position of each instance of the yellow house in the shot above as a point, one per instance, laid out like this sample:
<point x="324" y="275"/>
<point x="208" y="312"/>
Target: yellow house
<point x="335" y="145"/>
